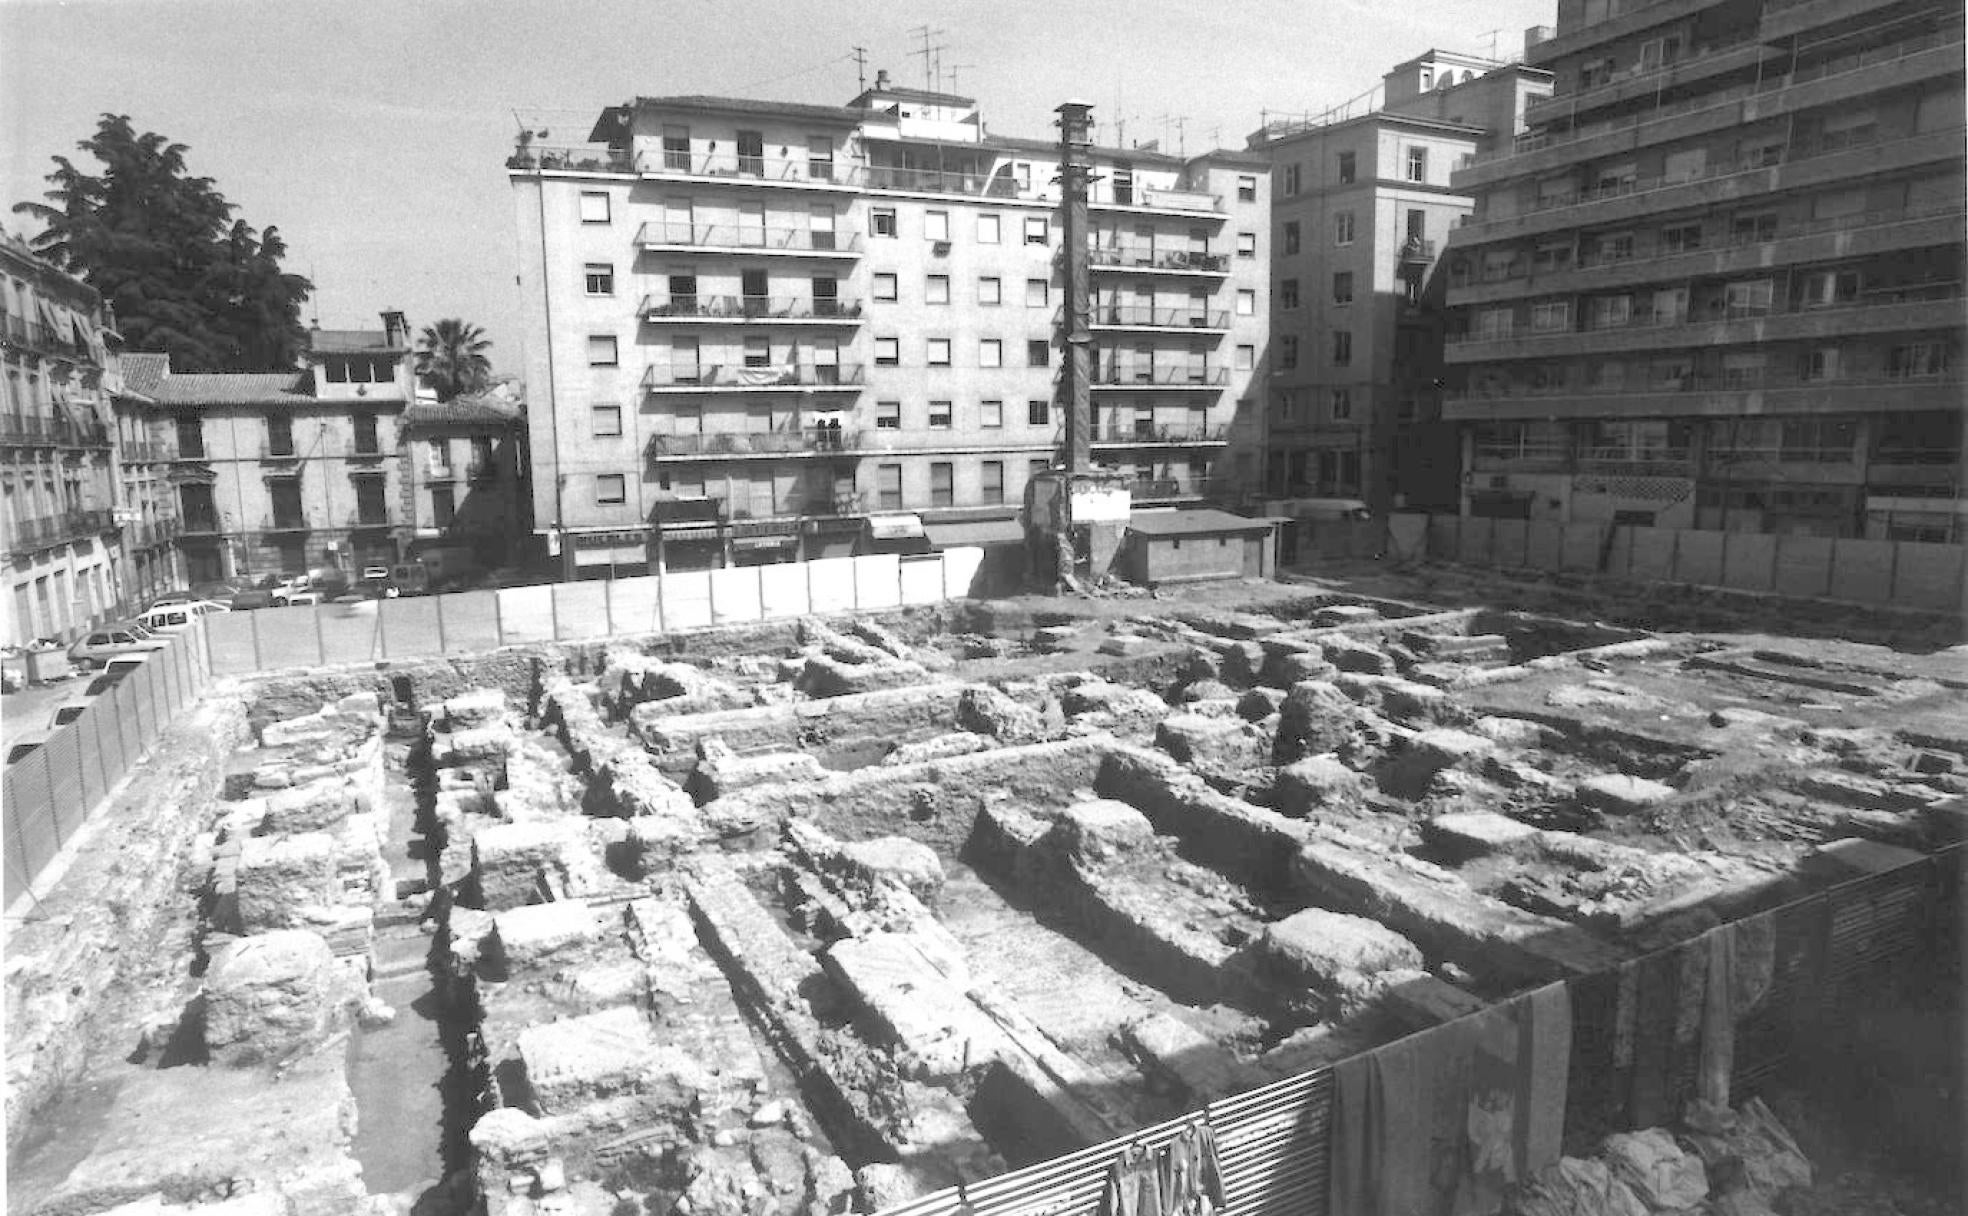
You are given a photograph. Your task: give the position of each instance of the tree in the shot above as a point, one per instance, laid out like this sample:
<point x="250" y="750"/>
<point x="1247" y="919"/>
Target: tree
<point x="183" y="276"/>
<point x="451" y="358"/>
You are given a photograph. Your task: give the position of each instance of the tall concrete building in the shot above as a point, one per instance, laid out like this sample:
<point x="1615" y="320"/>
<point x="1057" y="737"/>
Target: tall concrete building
<point x="58" y="478"/>
<point x="1718" y="284"/>
<point x="1361" y="206"/>
<point x="758" y="330"/>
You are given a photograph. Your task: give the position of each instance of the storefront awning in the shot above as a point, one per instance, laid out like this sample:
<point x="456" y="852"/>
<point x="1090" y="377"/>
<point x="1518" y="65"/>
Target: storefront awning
<point x="894" y="527"/>
<point x="975" y="532"/>
<point x="695" y="533"/>
<point x="763" y="542"/>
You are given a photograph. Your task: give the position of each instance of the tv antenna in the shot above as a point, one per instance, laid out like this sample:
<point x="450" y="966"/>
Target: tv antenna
<point x="954" y="69"/>
<point x="860" y="57"/>
<point x="1492" y="36"/>
<point x="928" y="52"/>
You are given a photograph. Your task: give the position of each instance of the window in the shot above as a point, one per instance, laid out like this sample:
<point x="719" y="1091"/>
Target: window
<point x="987" y="229"/>
<point x="600" y="277"/>
<point x="936" y="225"/>
<point x="939" y="415"/>
<point x="1246" y="357"/>
<point x="1828" y="288"/>
<point x="611" y="488"/>
<point x="607" y="421"/>
<point x="1551" y="316"/>
<point x="1038" y="353"/>
<point x="1342" y="228"/>
<point x="1288" y="293"/>
<point x="888" y="352"/>
<point x="1246" y="302"/>
<point x="1818" y="364"/>
<point x="881" y="221"/>
<point x="1292" y="180"/>
<point x="1749" y="229"/>
<point x="444" y="504"/>
<point x="1038" y="413"/>
<point x="1417" y="164"/>
<point x="365" y="435"/>
<point x="1246" y="244"/>
<point x="990" y="290"/>
<point x="1287" y="351"/>
<point x="1246" y="189"/>
<point x="1611" y="311"/>
<point x="1342" y="347"/>
<point x="939" y="352"/>
<point x="1291" y="236"/>
<point x="820" y="157"/>
<point x="1036" y="293"/>
<point x="1417" y="224"/>
<point x="751" y="153"/>
<point x="936" y="289"/>
<point x="991" y="481"/>
<point x="1749" y="299"/>
<point x="601" y="350"/>
<point x="990" y="352"/>
<point x="1343" y="287"/>
<point x="888" y="487"/>
<point x="1037" y="230"/>
<point x="884" y="285"/>
<point x="1917" y="360"/>
<point x="1348" y="166"/>
<point x="676" y="148"/>
<point x="942" y="483"/>
<point x="758" y="351"/>
<point x="990" y="414"/>
<point x="1681" y="238"/>
<point x="280" y="434"/>
<point x="594" y="207"/>
<point x="888" y="415"/>
<point x="1342" y="404"/>
<point x="1614" y="247"/>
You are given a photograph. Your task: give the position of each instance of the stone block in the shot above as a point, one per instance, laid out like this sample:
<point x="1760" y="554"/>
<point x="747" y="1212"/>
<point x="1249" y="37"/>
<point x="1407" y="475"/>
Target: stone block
<point x="479" y="707"/>
<point x="1315" y="718"/>
<point x="1338" y="960"/>
<point x="542" y="934"/>
<point x="1259" y="703"/>
<point x="1467" y="834"/>
<point x="1421" y="1001"/>
<point x="1317" y="783"/>
<point x="1447" y="748"/>
<point x="1055" y="638"/>
<point x="937" y="747"/>
<point x="509" y="861"/>
<point x="279" y="877"/>
<point x="1349" y="654"/>
<point x="1512" y="732"/>
<point x="574" y="1062"/>
<point x="477" y="745"/>
<point x="1223" y="744"/>
<point x="273" y="996"/>
<point x="1619" y="794"/>
<point x="628" y="785"/>
<point x="1241" y="662"/>
<point x="1344" y="614"/>
<point x="987" y="711"/>
<point x="315" y="807"/>
<point x="1102" y="829"/>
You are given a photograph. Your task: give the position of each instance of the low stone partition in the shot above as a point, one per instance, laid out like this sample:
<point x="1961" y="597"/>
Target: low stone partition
<point x="1248" y="844"/>
<point x="897" y="714"/>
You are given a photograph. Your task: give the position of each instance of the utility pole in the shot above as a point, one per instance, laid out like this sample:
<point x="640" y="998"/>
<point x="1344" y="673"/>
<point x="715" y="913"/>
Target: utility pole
<point x="1075" y="168"/>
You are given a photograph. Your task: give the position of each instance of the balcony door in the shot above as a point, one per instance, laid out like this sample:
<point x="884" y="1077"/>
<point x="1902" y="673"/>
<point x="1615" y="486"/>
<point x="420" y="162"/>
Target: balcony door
<point x="678" y="222"/>
<point x="826" y="361"/>
<point x="820" y="225"/>
<point x="751" y="224"/>
<point x="370" y="502"/>
<point x="286" y="495"/>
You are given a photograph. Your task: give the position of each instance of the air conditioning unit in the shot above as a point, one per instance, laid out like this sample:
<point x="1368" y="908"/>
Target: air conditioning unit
<point x="940" y="247"/>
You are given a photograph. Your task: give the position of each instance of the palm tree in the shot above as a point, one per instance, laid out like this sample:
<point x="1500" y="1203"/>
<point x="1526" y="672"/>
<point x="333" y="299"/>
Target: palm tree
<point x="451" y="358"/>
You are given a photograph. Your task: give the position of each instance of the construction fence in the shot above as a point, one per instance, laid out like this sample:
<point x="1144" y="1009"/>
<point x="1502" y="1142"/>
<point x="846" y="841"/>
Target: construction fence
<point x="421" y="627"/>
<point x="47" y="796"/>
<point x="1832" y="957"/>
<point x="1902" y="574"/>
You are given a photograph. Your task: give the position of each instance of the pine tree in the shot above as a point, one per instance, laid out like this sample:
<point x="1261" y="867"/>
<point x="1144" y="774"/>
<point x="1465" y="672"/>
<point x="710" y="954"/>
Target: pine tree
<point x="163" y="248"/>
<point x="451" y="358"/>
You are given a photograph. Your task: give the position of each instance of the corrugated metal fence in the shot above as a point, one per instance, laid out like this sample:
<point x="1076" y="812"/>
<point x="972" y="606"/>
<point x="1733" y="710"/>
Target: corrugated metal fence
<point x="1833" y="952"/>
<point x="50" y="793"/>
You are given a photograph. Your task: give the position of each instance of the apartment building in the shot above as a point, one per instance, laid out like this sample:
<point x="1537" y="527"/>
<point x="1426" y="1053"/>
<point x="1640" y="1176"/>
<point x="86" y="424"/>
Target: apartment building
<point x="147" y="499"/>
<point x="1361" y="206"/>
<point x="287" y="471"/>
<point x="58" y="479"/>
<point x="464" y="477"/>
<point x="755" y="327"/>
<point x="1718" y="284"/>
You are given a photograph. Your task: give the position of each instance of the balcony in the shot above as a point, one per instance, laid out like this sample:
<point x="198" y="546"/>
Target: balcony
<point x="358" y="450"/>
<point x="797" y="172"/>
<point x="750" y="310"/>
<point x="1415" y="251"/>
<point x="284" y="525"/>
<point x="144" y="452"/>
<point x="1702" y="63"/>
<point x="278" y="453"/>
<point x="1931" y="470"/>
<point x="21" y="333"/>
<point x="1184" y="320"/>
<point x="200" y="525"/>
<point x="152" y="533"/>
<point x="1156" y="199"/>
<point x="588" y="158"/>
<point x="1619" y="21"/>
<point x="28" y="431"/>
<point x="1142" y="435"/>
<point x="1637" y="462"/>
<point x="1522" y="457"/>
<point x="1711" y="396"/>
<point x="1132" y="376"/>
<point x="660" y="237"/>
<point x="440" y="471"/>
<point x="367" y="520"/>
<point x="1162" y="489"/>
<point x="807" y="441"/>
<point x="775" y="377"/>
<point x="1141" y="259"/>
<point x="998" y="183"/>
<point x="482" y="471"/>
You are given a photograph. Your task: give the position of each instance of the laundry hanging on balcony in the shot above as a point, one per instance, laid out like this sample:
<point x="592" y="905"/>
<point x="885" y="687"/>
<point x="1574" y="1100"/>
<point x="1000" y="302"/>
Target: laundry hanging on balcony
<point x="773" y="373"/>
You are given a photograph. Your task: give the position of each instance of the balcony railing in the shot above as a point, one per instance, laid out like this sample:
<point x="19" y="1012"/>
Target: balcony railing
<point x="1139" y="434"/>
<point x="574" y="159"/>
<point x="47" y="531"/>
<point x="1639" y="461"/>
<point x="144" y="452"/>
<point x="997" y="183"/>
<point x="1157" y="198"/>
<point x="1416" y="249"/>
<point x="806" y="439"/>
<point x="769" y="376"/>
<point x="661" y="234"/>
<point x="20" y="331"/>
<point x="1159" y="489"/>
<point x="1541" y="109"/>
<point x="749" y="308"/>
<point x="482" y="470"/>
<point x="16" y="429"/>
<point x="1783" y="454"/>
<point x="807" y="169"/>
<point x="1720" y="311"/>
<point x="1524" y="455"/>
<point x="1160" y="318"/>
<point x="282" y="452"/>
<point x="1740" y="380"/>
<point x="285" y="523"/>
<point x="1916" y="456"/>
<point x="1146" y="258"/>
<point x="1130" y="374"/>
<point x="200" y="525"/>
<point x="368" y="519"/>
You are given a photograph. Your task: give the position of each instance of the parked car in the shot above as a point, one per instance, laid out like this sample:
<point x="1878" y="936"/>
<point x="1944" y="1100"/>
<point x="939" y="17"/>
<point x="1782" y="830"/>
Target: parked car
<point x="25" y="746"/>
<point x="257" y="593"/>
<point x="370" y="588"/>
<point x="377" y="572"/>
<point x="68" y="711"/>
<point x="113" y="673"/>
<point x="115" y="642"/>
<point x="172" y="618"/>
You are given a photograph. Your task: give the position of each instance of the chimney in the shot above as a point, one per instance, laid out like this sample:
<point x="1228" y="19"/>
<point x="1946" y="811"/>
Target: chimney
<point x="881" y="80"/>
<point x="396" y="330"/>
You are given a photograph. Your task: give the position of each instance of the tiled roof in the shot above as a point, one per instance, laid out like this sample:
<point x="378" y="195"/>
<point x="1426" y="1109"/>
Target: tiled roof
<point x="142" y="371"/>
<point x="480" y="410"/>
<point x="1204" y="522"/>
<point x="235" y="388"/>
<point x="350" y="341"/>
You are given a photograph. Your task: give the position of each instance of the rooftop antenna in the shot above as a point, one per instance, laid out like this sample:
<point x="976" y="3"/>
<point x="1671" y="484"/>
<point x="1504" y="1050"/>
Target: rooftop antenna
<point x="928" y="52"/>
<point x="1179" y="120"/>
<point x="1492" y="36"/>
<point x="954" y="69"/>
<point x="860" y="69"/>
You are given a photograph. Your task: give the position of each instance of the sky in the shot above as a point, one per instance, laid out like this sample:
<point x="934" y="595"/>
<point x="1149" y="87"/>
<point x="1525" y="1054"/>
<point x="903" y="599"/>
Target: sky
<point x="373" y="133"/>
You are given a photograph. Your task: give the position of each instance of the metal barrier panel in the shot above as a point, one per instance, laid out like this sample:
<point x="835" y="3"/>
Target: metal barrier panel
<point x="1749" y="561"/>
<point x="526" y="614"/>
<point x="921" y="579"/>
<point x="643" y="605"/>
<point x="1476" y="541"/>
<point x="288" y="637"/>
<point x="31" y="836"/>
<point x="1275" y="1146"/>
<point x="1444" y="537"/>
<point x="1652" y="554"/>
<point x="470" y="619"/>
<point x="410" y="627"/>
<point x="65" y="795"/>
<point x="109" y="739"/>
<point x="877" y="581"/>
<point x="736" y="595"/>
<point x="782" y="590"/>
<point x="1581" y="545"/>
<point x="1929" y="576"/>
<point x="686" y="600"/>
<point x="831" y="580"/>
<point x="960" y="567"/>
<point x="580" y="610"/>
<point x="1510" y="542"/>
<point x="350" y="633"/>
<point x="97" y="777"/>
<point x="150" y="678"/>
<point x="1862" y="571"/>
<point x="1698" y="558"/>
<point x="1544" y="544"/>
<point x="1619" y="551"/>
<point x="229" y="635"/>
<point x="1803" y="566"/>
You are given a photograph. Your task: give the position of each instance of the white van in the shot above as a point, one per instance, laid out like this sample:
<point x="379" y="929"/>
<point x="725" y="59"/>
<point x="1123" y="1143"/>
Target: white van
<point x="173" y="617"/>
